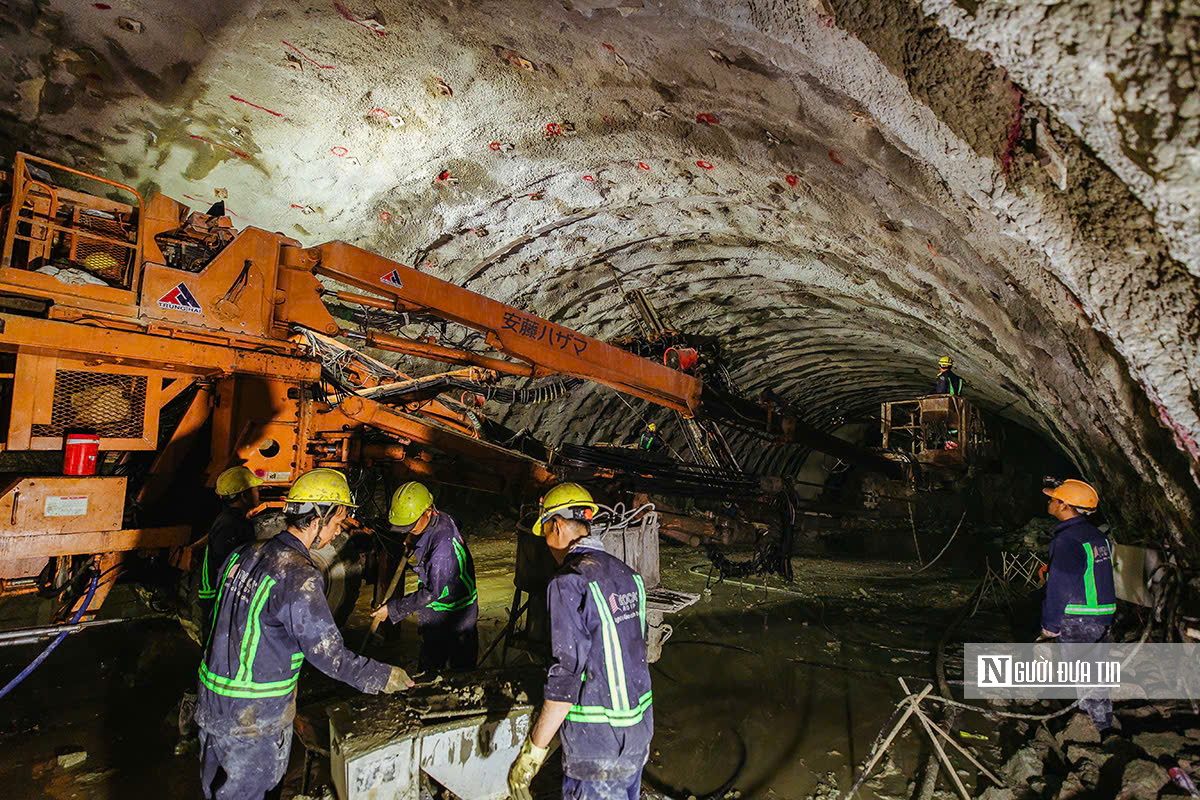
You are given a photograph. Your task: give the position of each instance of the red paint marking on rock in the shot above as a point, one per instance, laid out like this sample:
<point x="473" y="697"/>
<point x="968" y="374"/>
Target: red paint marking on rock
<point x="346" y="15"/>
<point x="384" y="216"/>
<point x="643" y="165"/>
<point x="932" y="249"/>
<point x="495" y="146"/>
<point x="836" y="158"/>
<point x="297" y="206"/>
<point x="300" y="53"/>
<point x="704" y="164"/>
<point x="255" y="105"/>
<point x="792" y="180"/>
<point x="379" y="112"/>
<point x="553" y="129"/>
<point x="608" y="47"/>
<point x="444" y="176"/>
<point x="340" y="152"/>
<point x="708" y="119"/>
<point x="205" y="139"/>
<point x="588" y="178"/>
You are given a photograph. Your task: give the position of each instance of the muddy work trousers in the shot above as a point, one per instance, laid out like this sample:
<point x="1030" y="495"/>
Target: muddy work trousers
<point x="242" y="767"/>
<point x="623" y="789"/>
<point x="442" y="646"/>
<point x="1096" y="702"/>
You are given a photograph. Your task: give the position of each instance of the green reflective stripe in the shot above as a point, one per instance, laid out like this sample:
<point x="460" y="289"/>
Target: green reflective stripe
<point x="206" y="590"/>
<point x="614" y="663"/>
<point x="247" y="689"/>
<point x="297" y="659"/>
<point x="220" y="594"/>
<point x="1097" y="611"/>
<point x="438" y="605"/>
<point x="1089" y="576"/>
<point x="253" y="630"/>
<point x="641" y="602"/>
<point x="607" y="716"/>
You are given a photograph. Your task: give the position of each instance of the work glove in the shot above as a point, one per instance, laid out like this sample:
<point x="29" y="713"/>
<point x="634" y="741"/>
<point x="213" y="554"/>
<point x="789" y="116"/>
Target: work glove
<point x="398" y="681"/>
<point x="380" y="614"/>
<point x="526" y="765"/>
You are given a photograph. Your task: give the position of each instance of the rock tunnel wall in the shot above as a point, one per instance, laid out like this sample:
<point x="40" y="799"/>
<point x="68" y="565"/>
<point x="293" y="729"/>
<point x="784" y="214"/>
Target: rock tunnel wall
<point x="840" y="190"/>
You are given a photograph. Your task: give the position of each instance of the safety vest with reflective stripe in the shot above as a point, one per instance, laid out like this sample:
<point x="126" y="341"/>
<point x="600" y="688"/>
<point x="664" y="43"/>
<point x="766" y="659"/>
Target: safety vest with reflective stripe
<point x="598" y="640"/>
<point x="270" y="617"/>
<point x="1079" y="581"/>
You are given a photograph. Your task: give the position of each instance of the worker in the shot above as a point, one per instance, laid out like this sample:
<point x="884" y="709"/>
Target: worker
<point x="1080" y="595"/>
<point x="271" y="616"/>
<point x="649" y="439"/>
<point x="445" y="600"/>
<point x="598" y="684"/>
<point x="947" y="382"/>
<point x="238" y="489"/>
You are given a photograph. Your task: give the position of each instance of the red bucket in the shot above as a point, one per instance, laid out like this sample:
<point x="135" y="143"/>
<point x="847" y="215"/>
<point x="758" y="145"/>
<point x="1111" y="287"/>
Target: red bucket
<point x="80" y="455"/>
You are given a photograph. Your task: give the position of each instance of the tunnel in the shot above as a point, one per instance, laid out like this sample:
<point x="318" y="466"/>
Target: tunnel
<point x="822" y="197"/>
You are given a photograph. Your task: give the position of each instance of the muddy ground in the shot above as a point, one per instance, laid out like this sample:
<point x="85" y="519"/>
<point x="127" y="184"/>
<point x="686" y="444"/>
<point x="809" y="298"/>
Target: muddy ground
<point x="793" y="680"/>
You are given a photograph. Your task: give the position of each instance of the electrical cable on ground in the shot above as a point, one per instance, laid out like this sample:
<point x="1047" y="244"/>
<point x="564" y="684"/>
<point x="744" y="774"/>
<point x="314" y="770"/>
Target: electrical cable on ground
<point x="25" y="673"/>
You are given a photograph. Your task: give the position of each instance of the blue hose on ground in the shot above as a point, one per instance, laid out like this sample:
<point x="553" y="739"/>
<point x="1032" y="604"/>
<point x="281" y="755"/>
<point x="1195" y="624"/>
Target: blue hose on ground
<point x="87" y="601"/>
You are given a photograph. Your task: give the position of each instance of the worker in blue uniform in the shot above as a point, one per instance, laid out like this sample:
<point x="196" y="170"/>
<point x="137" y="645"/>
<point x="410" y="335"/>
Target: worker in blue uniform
<point x="445" y="600"/>
<point x="238" y="489"/>
<point x="271" y="616"/>
<point x="947" y="381"/>
<point x="598" y="684"/>
<point x="1080" y="594"/>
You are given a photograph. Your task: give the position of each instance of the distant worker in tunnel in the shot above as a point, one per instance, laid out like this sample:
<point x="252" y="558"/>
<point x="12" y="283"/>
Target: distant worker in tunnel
<point x="947" y="381"/>
<point x="271" y="616"/>
<point x="649" y="440"/>
<point x="445" y="601"/>
<point x="1080" y="595"/>
<point x="598" y="684"/>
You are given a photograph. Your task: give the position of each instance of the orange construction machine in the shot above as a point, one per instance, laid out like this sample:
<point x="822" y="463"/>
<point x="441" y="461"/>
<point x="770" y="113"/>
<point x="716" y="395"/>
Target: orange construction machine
<point x="143" y="325"/>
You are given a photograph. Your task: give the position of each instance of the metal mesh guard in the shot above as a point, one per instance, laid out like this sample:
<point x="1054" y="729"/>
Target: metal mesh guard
<point x="112" y="406"/>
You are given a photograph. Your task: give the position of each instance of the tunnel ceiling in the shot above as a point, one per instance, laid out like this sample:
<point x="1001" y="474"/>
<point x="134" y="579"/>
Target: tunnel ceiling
<point x="840" y="190"/>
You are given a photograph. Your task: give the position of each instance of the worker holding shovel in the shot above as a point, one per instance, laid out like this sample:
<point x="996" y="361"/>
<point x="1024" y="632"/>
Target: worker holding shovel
<point x="445" y="600"/>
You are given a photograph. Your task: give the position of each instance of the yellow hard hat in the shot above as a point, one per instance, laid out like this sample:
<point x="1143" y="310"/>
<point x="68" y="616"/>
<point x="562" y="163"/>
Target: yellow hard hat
<point x="652" y="427"/>
<point x="321" y="486"/>
<point x="945" y="361"/>
<point x="1076" y="494"/>
<point x="236" y="480"/>
<point x="409" y="503"/>
<point x="563" y="498"/>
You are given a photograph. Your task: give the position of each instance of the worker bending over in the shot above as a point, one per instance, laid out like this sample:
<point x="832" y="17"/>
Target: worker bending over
<point x="598" y="685"/>
<point x="445" y="600"/>
<point x="270" y="616"/>
<point x="238" y="489"/>
<point x="1080" y="596"/>
<point x="947" y="382"/>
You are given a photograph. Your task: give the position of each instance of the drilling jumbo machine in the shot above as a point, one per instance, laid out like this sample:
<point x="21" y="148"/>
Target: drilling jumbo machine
<point x="130" y="329"/>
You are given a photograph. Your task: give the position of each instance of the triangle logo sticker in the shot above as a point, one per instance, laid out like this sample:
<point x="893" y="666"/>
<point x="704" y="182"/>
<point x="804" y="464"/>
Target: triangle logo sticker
<point x="180" y="299"/>
<point x="392" y="279"/>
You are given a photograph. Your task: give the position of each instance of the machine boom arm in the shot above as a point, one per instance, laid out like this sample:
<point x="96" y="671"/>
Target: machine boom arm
<point x="549" y="348"/>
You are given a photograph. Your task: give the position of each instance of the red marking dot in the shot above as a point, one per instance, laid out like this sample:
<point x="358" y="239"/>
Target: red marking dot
<point x="792" y="180"/>
<point x="708" y="119"/>
<point x="836" y="158"/>
<point x="384" y="216"/>
<point x="340" y="152"/>
<point x="260" y="472"/>
<point x="608" y="47"/>
<point x="588" y="178"/>
<point x="101" y="6"/>
<point x="704" y="164"/>
<point x="494" y="146"/>
<point x="643" y="165"/>
<point x="444" y="175"/>
<point x="553" y="129"/>
<point x="297" y="206"/>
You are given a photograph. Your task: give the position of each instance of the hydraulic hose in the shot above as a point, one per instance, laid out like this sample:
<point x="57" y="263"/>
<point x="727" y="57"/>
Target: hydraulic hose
<point x="25" y="673"/>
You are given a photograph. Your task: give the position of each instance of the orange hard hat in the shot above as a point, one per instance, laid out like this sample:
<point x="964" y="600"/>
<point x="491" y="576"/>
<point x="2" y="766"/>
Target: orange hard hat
<point x="1076" y="494"/>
